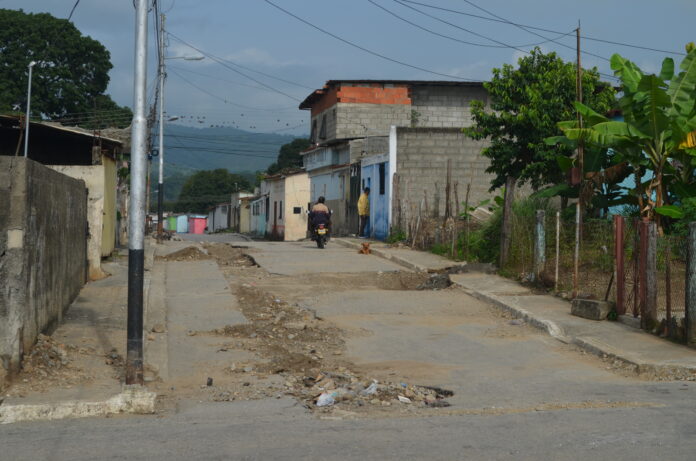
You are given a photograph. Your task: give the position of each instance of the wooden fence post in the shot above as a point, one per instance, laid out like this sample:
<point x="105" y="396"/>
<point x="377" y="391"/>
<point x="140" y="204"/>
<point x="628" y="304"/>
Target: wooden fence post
<point x="539" y="244"/>
<point x="690" y="295"/>
<point x="506" y="231"/>
<point x="619" y="258"/>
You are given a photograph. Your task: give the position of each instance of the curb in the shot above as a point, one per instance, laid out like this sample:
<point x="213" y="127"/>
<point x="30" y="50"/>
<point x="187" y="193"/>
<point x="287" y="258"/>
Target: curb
<point x="383" y="255"/>
<point x="678" y="372"/>
<point x="135" y="401"/>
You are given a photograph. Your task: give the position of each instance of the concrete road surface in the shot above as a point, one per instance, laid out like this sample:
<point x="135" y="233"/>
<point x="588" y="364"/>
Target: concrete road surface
<point x="519" y="395"/>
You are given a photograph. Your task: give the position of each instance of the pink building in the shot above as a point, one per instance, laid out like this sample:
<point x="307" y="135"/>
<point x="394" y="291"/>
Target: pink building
<point x="197" y="224"/>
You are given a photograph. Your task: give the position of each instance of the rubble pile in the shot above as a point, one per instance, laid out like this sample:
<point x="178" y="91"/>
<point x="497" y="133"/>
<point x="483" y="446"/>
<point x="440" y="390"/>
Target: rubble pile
<point x="46" y="358"/>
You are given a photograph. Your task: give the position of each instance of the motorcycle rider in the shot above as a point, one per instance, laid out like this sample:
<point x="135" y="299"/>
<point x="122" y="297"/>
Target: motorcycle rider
<point x="320" y="214"/>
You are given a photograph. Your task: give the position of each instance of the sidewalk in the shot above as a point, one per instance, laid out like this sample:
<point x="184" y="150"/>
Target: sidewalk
<point x="632" y="348"/>
<point x="77" y="371"/>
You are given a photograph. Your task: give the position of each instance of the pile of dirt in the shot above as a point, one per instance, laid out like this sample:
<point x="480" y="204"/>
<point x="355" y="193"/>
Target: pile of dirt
<point x="300" y="355"/>
<point x="48" y="365"/>
<point x="191" y="253"/>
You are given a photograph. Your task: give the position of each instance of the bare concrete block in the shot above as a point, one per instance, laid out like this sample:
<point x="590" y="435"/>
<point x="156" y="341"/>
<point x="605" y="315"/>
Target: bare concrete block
<point x="590" y="308"/>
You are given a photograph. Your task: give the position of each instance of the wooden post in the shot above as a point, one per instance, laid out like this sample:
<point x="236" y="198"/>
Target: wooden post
<point x="468" y="217"/>
<point x="690" y="294"/>
<point x="539" y="244"/>
<point x="506" y="231"/>
<point x="456" y="198"/>
<point x="619" y="268"/>
<point x="448" y="190"/>
<point x="651" y="275"/>
<point x="576" y="266"/>
<point x="558" y="249"/>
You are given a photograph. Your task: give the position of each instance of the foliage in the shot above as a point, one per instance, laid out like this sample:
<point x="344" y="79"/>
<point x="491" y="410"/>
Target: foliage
<point x="72" y="70"/>
<point x="396" y="235"/>
<point x="205" y="189"/>
<point x="526" y="103"/>
<point x="658" y="118"/>
<point x="289" y="155"/>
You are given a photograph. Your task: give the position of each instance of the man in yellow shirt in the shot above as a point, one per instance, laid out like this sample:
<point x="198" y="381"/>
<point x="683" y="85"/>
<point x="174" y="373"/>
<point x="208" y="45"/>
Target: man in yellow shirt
<point x="364" y="211"/>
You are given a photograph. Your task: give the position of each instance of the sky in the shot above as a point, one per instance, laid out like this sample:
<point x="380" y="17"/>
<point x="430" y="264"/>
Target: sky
<point x="297" y="58"/>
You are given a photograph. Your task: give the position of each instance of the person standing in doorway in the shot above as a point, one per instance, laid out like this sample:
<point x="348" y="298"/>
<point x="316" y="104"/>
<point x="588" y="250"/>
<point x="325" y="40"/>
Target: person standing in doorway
<point x="364" y="211"/>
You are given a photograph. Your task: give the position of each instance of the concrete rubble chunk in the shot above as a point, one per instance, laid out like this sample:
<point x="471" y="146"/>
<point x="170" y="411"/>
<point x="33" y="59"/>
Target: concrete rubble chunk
<point x="590" y="308"/>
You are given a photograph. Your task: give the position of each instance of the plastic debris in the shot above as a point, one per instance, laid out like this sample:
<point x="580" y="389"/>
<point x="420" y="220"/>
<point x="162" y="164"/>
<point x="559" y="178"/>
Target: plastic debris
<point x="403" y="399"/>
<point x="325" y="400"/>
<point x="371" y="389"/>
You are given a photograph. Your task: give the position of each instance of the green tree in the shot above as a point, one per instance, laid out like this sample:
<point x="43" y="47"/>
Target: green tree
<point x="71" y="74"/>
<point x="204" y="189"/>
<point x="289" y="155"/>
<point x="526" y="103"/>
<point x="658" y="119"/>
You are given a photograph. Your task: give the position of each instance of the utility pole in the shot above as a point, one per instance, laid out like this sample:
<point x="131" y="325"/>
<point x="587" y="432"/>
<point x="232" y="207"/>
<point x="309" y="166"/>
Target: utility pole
<point x="160" y="184"/>
<point x="580" y="167"/>
<point x="136" y="217"/>
<point x="581" y="144"/>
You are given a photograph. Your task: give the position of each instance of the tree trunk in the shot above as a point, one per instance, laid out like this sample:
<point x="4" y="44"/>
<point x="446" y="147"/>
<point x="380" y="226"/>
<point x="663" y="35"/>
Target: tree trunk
<point x="506" y="231"/>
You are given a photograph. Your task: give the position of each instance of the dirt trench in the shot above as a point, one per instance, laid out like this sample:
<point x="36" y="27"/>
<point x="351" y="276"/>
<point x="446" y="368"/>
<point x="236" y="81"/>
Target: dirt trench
<point x="306" y="352"/>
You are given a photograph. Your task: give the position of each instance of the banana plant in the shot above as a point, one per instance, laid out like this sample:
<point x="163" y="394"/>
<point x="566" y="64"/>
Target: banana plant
<point x="658" y="118"/>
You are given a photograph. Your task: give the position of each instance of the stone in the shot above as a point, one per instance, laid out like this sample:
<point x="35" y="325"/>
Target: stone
<point x="158" y="328"/>
<point x="590" y="308"/>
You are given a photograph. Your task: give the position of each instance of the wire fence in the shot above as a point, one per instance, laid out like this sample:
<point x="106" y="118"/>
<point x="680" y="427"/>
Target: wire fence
<point x="652" y="279"/>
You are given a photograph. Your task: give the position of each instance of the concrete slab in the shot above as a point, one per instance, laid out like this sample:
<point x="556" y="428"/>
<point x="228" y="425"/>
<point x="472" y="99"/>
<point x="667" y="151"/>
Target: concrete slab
<point x="647" y="353"/>
<point x="292" y="258"/>
<point x="421" y="261"/>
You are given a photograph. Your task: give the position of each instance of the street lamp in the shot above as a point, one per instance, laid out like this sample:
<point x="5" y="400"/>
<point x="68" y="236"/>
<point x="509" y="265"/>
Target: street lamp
<point x="26" y="123"/>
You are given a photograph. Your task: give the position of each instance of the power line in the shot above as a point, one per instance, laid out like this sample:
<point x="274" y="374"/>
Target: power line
<point x="203" y="90"/>
<point x="374" y="53"/>
<point x="497" y="41"/>
<point x="530" y="31"/>
<point x="73" y="9"/>
<point x="181" y="69"/>
<point x="225" y="64"/>
<point x="449" y="37"/>
<point x="585" y="37"/>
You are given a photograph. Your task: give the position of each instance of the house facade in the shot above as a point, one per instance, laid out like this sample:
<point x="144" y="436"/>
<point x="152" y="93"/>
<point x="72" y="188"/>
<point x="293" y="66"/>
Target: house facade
<point x="286" y="205"/>
<point x="79" y="154"/>
<point x="366" y="133"/>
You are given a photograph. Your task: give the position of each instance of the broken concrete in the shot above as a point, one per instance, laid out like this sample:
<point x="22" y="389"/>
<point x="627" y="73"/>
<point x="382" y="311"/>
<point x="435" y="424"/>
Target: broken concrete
<point x="591" y="309"/>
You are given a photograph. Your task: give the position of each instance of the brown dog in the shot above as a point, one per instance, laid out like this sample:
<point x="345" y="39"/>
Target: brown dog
<point x="365" y="250"/>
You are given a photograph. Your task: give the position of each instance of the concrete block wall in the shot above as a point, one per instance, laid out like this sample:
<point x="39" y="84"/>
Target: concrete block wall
<point x="356" y="120"/>
<point x="43" y="243"/>
<point x="421" y="157"/>
<point x="444" y="106"/>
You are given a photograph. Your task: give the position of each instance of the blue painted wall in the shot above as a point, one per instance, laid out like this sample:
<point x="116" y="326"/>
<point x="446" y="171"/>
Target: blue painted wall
<point x="376" y="177"/>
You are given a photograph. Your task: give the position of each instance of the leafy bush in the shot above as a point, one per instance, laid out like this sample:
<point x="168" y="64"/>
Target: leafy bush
<point x="396" y="235"/>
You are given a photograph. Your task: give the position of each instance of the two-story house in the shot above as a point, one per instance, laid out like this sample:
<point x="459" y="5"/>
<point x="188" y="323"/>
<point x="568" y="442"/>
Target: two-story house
<point x="367" y="132"/>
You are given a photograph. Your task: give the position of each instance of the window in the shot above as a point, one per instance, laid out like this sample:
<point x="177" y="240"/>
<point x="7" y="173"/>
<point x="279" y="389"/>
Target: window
<point x="382" y="174"/>
<point x="322" y="131"/>
<point x="297" y="210"/>
<point x="313" y="135"/>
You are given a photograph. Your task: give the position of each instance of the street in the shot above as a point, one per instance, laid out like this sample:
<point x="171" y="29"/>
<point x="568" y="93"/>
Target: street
<point x="517" y="393"/>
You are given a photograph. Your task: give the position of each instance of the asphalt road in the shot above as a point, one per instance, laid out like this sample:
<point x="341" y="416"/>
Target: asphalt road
<point x="519" y="395"/>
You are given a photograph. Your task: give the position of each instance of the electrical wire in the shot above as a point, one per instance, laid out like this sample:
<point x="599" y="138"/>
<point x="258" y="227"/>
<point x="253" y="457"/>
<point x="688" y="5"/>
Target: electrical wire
<point x="366" y="50"/>
<point x="497" y="41"/>
<point x="585" y="37"/>
<point x="228" y="66"/>
<point x="225" y="100"/>
<point x="73" y="9"/>
<point x="449" y="37"/>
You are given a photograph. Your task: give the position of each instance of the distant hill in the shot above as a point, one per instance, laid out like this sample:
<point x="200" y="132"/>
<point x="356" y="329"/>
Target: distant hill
<point x="188" y="149"/>
<point x="225" y="147"/>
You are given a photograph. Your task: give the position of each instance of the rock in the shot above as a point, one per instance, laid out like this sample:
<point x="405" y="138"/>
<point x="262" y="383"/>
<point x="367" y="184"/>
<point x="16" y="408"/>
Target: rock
<point x="375" y="401"/>
<point x="435" y="282"/>
<point x="248" y="369"/>
<point x="158" y="328"/>
<point x="590" y="308"/>
<point x="517" y="322"/>
<point x="403" y="399"/>
<point x="209" y="382"/>
<point x="150" y="337"/>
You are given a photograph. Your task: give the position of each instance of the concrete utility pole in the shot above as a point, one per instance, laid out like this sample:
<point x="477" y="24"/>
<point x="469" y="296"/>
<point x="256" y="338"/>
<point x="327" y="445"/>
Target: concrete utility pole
<point x="136" y="222"/>
<point x="160" y="184"/>
<point x="26" y="122"/>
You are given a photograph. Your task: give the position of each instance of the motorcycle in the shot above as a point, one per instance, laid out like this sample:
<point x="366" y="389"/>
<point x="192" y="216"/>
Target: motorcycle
<point x="321" y="235"/>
